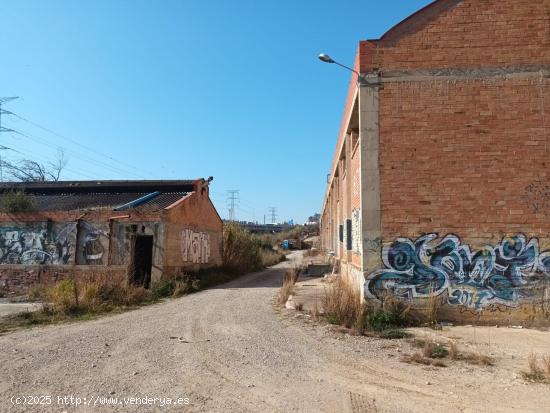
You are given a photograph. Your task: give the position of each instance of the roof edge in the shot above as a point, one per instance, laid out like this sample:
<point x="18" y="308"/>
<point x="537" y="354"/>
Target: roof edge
<point x="424" y="15"/>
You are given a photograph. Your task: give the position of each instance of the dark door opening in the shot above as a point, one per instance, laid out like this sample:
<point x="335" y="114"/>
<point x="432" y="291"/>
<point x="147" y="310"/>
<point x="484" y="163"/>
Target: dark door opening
<point x="142" y="261"/>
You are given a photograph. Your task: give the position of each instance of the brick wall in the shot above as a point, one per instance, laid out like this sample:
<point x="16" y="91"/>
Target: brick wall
<point x="465" y="33"/>
<point x="464" y="153"/>
<point x="193" y="234"/>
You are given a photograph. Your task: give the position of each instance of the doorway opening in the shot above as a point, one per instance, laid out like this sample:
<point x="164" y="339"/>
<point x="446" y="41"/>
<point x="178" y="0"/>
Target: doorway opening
<point x="142" y="261"/>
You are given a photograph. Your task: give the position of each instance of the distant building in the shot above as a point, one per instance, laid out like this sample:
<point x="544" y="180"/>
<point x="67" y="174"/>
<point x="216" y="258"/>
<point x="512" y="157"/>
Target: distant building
<point x="145" y="229"/>
<point x="440" y="183"/>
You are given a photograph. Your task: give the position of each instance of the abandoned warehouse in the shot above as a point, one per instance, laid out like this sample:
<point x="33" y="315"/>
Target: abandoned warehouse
<point x="143" y="229"/>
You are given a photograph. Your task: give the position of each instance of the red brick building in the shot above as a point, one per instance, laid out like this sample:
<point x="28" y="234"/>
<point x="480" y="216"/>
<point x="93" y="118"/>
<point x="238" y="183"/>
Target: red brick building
<point x="440" y="183"/>
<point x="145" y="229"/>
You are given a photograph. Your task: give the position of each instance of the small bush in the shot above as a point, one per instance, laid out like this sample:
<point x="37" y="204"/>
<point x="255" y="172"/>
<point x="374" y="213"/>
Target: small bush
<point x="241" y="249"/>
<point x="419" y="358"/>
<point x="138" y="295"/>
<point x="394" y="334"/>
<point x="16" y="201"/>
<point x="162" y="288"/>
<point x="434" y="351"/>
<point x="64" y="297"/>
<point x="392" y="314"/>
<point x="535" y="374"/>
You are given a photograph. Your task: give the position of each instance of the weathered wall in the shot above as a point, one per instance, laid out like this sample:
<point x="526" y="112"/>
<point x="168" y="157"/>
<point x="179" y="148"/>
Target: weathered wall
<point x="43" y="242"/>
<point x="18" y="278"/>
<point x="92" y="246"/>
<point x="42" y="247"/>
<point x="464" y="155"/>
<point x="454" y="138"/>
<point x="193" y="234"/>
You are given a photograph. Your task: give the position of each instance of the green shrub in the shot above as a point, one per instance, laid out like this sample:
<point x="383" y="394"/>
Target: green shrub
<point x="16" y="201"/>
<point x="394" y="334"/>
<point x="392" y="314"/>
<point x="162" y="288"/>
<point x="64" y="297"/>
<point x="241" y="249"/>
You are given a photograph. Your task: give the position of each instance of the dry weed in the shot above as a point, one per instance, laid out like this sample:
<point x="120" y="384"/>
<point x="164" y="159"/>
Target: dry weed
<point x="342" y="304"/>
<point x="287" y="289"/>
<point x="535" y="374"/>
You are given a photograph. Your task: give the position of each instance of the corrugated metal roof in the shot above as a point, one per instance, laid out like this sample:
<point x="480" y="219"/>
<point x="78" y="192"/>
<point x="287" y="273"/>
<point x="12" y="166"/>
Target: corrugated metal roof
<point x="71" y="202"/>
<point x="90" y="195"/>
<point x="161" y="201"/>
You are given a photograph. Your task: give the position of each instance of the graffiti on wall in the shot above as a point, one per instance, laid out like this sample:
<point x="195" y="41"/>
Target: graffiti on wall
<point x="195" y="246"/>
<point x="92" y="251"/>
<point x="356" y="231"/>
<point x="503" y="274"/>
<point x="37" y="244"/>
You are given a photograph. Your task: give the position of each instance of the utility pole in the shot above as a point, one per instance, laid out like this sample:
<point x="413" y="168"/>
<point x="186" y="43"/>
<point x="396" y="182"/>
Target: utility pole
<point x="3" y="129"/>
<point x="273" y="214"/>
<point x="232" y="201"/>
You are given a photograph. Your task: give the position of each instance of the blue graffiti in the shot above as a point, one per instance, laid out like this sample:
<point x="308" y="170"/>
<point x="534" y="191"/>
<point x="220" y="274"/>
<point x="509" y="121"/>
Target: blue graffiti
<point x="504" y="274"/>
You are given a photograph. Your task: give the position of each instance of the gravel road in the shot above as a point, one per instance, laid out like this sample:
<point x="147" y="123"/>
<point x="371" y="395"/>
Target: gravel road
<point x="227" y="349"/>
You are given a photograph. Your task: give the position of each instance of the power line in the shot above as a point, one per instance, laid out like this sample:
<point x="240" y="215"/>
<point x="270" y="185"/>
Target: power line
<point x="3" y="129"/>
<point x="5" y="112"/>
<point x="76" y="142"/>
<point x="273" y="214"/>
<point x="78" y="155"/>
<point x="232" y="201"/>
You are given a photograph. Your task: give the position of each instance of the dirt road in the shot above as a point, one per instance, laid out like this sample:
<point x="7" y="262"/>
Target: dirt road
<point x="228" y="350"/>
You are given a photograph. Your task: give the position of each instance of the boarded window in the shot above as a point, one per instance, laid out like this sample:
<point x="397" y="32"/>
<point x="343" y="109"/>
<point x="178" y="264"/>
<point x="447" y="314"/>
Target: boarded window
<point x="348" y="235"/>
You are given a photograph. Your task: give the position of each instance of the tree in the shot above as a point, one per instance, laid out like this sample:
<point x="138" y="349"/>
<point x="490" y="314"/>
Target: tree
<point x="27" y="170"/>
<point x="314" y="218"/>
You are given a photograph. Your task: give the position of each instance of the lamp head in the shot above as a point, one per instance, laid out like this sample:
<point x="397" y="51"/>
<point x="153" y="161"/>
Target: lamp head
<point x="325" y="58"/>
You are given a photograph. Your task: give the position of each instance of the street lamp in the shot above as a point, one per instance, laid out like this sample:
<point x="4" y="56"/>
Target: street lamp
<point x="327" y="59"/>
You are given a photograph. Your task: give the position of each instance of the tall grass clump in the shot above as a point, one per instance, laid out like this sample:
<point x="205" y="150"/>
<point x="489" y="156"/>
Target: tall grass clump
<point x="95" y="293"/>
<point x="287" y="289"/>
<point x="342" y="305"/>
<point x="16" y="201"/>
<point x="241" y="250"/>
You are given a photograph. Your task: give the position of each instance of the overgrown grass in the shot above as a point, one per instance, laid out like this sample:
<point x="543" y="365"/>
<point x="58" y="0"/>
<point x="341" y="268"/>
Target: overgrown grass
<point x="431" y="350"/>
<point x="420" y="358"/>
<point x="342" y="305"/>
<point x="287" y="289"/>
<point x="16" y="201"/>
<point x="536" y="373"/>
<point x="244" y="252"/>
<point x="82" y="298"/>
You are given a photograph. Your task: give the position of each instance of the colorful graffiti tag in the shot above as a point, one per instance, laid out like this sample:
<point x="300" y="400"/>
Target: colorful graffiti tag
<point x="37" y="244"/>
<point x="503" y="274"/>
<point x="195" y="246"/>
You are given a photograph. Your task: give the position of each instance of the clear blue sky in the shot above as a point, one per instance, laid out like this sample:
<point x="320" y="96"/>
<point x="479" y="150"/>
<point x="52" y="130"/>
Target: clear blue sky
<point x="172" y="89"/>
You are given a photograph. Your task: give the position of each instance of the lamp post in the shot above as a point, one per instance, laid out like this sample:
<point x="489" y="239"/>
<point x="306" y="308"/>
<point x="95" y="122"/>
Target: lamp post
<point x="327" y="59"/>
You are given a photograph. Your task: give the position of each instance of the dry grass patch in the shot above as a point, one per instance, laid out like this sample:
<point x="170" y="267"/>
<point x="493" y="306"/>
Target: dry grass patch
<point x="535" y="373"/>
<point x="342" y="304"/>
<point x="431" y="352"/>
<point x="419" y="358"/>
<point x="287" y="289"/>
<point x="469" y="357"/>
